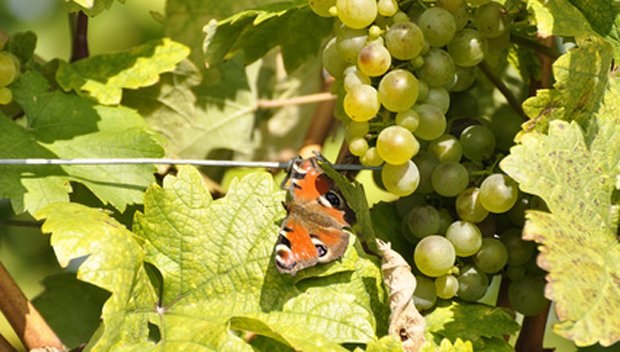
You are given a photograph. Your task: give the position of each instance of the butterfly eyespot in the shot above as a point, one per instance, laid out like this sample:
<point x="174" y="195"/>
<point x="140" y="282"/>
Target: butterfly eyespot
<point x="321" y="249"/>
<point x="334" y="199"/>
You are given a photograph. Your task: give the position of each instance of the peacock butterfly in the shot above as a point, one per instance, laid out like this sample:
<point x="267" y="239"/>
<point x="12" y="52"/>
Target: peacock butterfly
<point x="317" y="215"/>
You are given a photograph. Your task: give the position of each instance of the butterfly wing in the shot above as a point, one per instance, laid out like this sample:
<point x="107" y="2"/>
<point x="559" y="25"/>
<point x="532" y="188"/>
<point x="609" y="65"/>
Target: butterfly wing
<point x="294" y="248"/>
<point x="313" y="232"/>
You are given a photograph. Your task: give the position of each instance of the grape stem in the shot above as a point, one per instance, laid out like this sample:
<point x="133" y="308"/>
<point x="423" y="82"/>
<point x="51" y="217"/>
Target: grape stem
<point x="25" y="320"/>
<point x="497" y="82"/>
<point x="527" y="42"/>
<point x="304" y="99"/>
<point x="79" y="25"/>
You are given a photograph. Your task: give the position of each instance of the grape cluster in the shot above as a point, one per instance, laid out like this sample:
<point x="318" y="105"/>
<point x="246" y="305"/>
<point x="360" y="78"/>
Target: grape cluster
<point x="9" y="70"/>
<point x="403" y="77"/>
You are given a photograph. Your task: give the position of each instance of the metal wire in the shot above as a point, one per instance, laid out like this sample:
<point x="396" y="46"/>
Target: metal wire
<point x="156" y="161"/>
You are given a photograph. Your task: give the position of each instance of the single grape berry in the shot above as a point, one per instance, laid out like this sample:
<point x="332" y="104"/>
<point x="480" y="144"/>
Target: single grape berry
<point x="498" y="193"/>
<point x="362" y="103"/>
<point x="434" y="255"/>
<point x="400" y="180"/>
<point x="398" y="90"/>
<point x="396" y="145"/>
<point x="357" y="14"/>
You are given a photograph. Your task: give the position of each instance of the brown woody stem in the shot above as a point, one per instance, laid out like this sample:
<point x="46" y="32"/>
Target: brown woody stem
<point x="26" y="321"/>
<point x="79" y="32"/>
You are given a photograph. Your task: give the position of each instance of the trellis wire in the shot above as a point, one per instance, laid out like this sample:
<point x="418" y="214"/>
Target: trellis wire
<point x="157" y="161"/>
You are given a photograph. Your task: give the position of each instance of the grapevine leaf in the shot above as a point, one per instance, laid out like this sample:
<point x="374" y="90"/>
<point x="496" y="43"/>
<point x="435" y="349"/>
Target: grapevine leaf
<point x="103" y="77"/>
<point x="71" y="307"/>
<point x="67" y="126"/>
<point x="291" y="25"/>
<point x="42" y="185"/>
<point x="385" y="344"/>
<point x="353" y="192"/>
<point x="445" y="345"/>
<point x="185" y="18"/>
<point x="581" y="77"/>
<point x="22" y="45"/>
<point x="561" y="18"/>
<point x="387" y="227"/>
<point x="481" y="324"/>
<point x="198" y="118"/>
<point x="215" y="260"/>
<point x="575" y="174"/>
<point x="574" y="18"/>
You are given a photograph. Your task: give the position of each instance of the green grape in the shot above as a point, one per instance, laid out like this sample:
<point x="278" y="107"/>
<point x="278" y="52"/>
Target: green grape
<point x="356" y="129"/>
<point x="461" y="17"/>
<point x="423" y="89"/>
<point x="515" y="272"/>
<point x="446" y="148"/>
<point x="357" y="14"/>
<point x="400" y="17"/>
<point x="332" y="60"/>
<point x="438" y="26"/>
<point x="446" y="286"/>
<point x="449" y="179"/>
<point x="467" y="48"/>
<point x="478" y="142"/>
<point x="439" y="97"/>
<point x="8" y="68"/>
<point x="405" y="204"/>
<point x="6" y="96"/>
<point x="438" y="69"/>
<point x="445" y="220"/>
<point x="426" y="163"/>
<point x="450" y="5"/>
<point x="498" y="193"/>
<point x="353" y="77"/>
<point x="432" y="122"/>
<point x="465" y="77"/>
<point x="349" y="42"/>
<point x="400" y="180"/>
<point x="398" y="90"/>
<point x="321" y="7"/>
<point x="527" y="295"/>
<point x="473" y="283"/>
<point x="505" y="124"/>
<point x="490" y="20"/>
<point x="387" y="8"/>
<point x="423" y="221"/>
<point x="492" y="256"/>
<point x="375" y="32"/>
<point x="468" y="206"/>
<point x="362" y="103"/>
<point x="434" y="255"/>
<point x="408" y="119"/>
<point x="519" y="251"/>
<point x="424" y="296"/>
<point x="358" y="146"/>
<point x="371" y="158"/>
<point x="404" y="40"/>
<point x="465" y="237"/>
<point x="396" y="145"/>
<point x="374" y="59"/>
